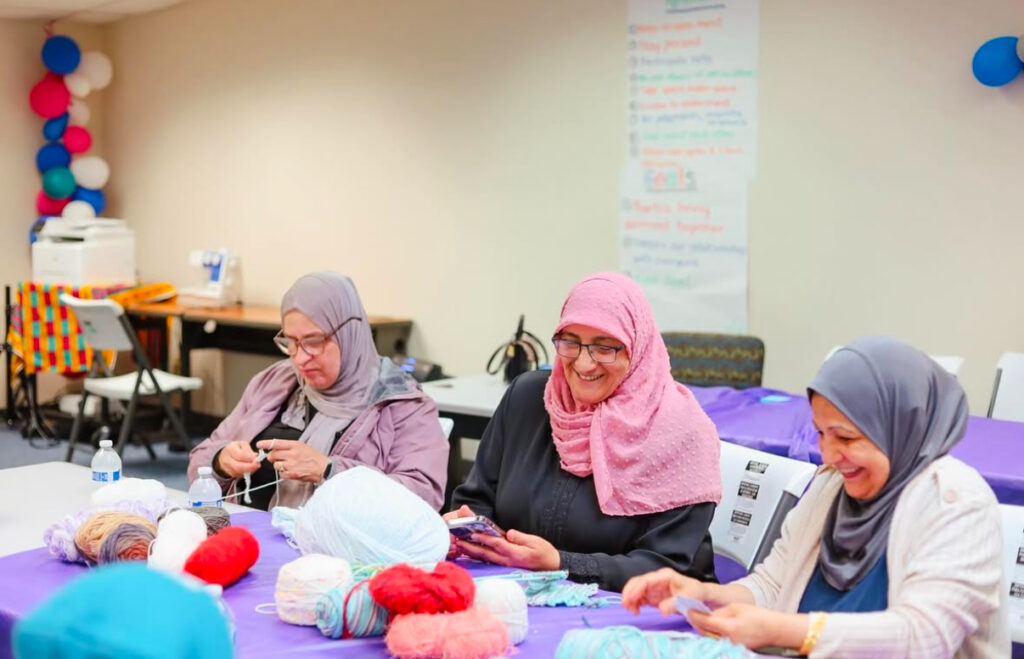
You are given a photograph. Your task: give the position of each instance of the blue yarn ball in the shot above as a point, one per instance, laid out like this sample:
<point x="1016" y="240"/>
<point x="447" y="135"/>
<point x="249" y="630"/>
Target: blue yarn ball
<point x="996" y="62"/>
<point x="52" y="155"/>
<point x="61" y="54"/>
<point x="54" y="128"/>
<point x="94" y="198"/>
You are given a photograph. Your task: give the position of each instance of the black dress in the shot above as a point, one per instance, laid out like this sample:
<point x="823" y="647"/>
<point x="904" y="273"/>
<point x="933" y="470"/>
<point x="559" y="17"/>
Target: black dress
<point x="517" y="482"/>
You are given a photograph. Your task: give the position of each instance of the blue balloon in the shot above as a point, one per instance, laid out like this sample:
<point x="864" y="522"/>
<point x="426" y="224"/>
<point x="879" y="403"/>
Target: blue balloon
<point x="52" y="155"/>
<point x="61" y="54"/>
<point x="996" y="62"/>
<point x="94" y="198"/>
<point x="54" y="128"/>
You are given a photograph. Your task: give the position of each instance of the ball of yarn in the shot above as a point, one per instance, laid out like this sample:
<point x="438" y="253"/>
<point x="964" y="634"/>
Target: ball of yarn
<point x="178" y="535"/>
<point x="406" y="589"/>
<point x="216" y="518"/>
<point x="94" y="530"/>
<point x="362" y="617"/>
<point x="470" y="634"/>
<point x="146" y="490"/>
<point x="365" y="517"/>
<point x="506" y="600"/>
<point x="127" y="542"/>
<point x="302" y="582"/>
<point x="629" y="641"/>
<point x="225" y="556"/>
<point x="59" y="537"/>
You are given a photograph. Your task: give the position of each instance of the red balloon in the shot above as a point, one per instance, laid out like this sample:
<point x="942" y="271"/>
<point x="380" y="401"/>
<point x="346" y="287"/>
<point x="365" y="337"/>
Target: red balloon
<point x="50" y="98"/>
<point x="77" y="139"/>
<point x="47" y="205"/>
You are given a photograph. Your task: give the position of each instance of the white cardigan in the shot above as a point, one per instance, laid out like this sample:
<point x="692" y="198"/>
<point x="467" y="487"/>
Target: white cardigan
<point x="946" y="594"/>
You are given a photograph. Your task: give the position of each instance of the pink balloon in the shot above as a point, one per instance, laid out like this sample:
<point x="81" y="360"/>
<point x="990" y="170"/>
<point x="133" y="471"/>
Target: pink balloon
<point x="47" y="205"/>
<point x="77" y="139"/>
<point x="50" y="97"/>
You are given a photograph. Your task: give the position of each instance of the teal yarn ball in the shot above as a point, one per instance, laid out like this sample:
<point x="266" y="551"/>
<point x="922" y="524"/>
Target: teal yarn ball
<point x="363" y="616"/>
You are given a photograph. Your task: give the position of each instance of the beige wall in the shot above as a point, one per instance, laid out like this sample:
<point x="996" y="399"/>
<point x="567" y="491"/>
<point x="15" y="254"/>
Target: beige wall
<point x="460" y="160"/>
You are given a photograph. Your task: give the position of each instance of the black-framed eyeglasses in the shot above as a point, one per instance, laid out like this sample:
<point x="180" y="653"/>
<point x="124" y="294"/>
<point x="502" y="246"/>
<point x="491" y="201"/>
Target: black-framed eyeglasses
<point x="311" y="345"/>
<point x="599" y="353"/>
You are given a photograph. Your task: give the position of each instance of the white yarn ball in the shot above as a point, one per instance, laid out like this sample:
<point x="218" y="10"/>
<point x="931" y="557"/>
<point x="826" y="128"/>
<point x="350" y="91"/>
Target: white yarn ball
<point x="366" y="518"/>
<point x="302" y="582"/>
<point x="507" y="601"/>
<point x="147" y="490"/>
<point x="177" y="536"/>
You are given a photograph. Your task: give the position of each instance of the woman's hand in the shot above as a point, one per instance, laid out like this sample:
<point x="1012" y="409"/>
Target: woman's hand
<point x="237" y="459"/>
<point x="516" y="549"/>
<point x="295" y="460"/>
<point x="659" y="589"/>
<point x="753" y="626"/>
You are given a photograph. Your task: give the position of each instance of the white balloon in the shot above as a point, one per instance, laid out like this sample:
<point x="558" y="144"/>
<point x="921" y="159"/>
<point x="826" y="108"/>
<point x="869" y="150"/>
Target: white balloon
<point x="78" y="84"/>
<point x="96" y="67"/>
<point x="78" y="112"/>
<point x="79" y="209"/>
<point x="90" y="172"/>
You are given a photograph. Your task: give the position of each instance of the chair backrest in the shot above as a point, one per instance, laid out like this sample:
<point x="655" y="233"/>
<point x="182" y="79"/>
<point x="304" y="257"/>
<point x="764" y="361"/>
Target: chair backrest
<point x="715" y="360"/>
<point x="100" y="322"/>
<point x="1013" y="566"/>
<point x="446" y="426"/>
<point x="758" y="489"/>
<point x="951" y="363"/>
<point x="1008" y="391"/>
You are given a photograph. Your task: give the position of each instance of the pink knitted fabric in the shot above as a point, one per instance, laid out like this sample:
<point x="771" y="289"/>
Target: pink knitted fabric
<point x="649" y="445"/>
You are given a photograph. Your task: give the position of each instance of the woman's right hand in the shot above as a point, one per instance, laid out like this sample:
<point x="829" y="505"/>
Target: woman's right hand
<point x="237" y="459"/>
<point x="659" y="589"/>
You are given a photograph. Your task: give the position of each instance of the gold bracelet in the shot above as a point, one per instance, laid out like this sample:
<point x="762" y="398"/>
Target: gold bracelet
<point x="817" y="623"/>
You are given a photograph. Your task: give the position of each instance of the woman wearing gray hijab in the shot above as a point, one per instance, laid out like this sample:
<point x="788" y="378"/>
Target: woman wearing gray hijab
<point x="333" y="404"/>
<point x="895" y="549"/>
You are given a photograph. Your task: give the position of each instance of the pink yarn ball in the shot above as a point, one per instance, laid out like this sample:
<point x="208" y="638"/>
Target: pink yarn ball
<point x="50" y="98"/>
<point x="77" y="139"/>
<point x="47" y="205"/>
<point x="469" y="634"/>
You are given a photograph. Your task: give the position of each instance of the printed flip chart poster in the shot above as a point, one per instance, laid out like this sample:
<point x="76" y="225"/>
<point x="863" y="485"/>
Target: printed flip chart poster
<point x="691" y="154"/>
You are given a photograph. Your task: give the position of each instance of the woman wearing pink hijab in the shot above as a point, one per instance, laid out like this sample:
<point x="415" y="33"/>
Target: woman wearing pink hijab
<point x="604" y="466"/>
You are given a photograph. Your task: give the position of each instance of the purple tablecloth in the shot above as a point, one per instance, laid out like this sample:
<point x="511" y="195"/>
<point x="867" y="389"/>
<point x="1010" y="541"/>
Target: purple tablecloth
<point x="780" y="423"/>
<point x="27" y="578"/>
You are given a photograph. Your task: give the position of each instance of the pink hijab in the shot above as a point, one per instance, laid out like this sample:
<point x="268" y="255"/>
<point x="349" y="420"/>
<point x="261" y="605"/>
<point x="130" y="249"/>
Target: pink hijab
<point x="649" y="445"/>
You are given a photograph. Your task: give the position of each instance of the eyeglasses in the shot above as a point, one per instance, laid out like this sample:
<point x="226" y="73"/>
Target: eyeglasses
<point x="311" y="345"/>
<point x="599" y="353"/>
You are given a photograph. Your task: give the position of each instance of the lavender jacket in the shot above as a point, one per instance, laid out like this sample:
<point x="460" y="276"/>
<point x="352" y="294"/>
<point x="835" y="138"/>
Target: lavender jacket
<point x="398" y="434"/>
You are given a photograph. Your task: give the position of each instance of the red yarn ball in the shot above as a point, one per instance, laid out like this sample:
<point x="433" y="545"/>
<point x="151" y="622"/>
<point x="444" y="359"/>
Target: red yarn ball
<point x="225" y="556"/>
<point x="406" y="589"/>
<point x="77" y="139"/>
<point x="50" y="98"/>
<point x="47" y="205"/>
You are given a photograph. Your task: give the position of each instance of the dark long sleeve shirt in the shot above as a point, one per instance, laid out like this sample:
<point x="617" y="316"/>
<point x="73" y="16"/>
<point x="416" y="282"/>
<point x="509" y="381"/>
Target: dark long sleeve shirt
<point x="517" y="481"/>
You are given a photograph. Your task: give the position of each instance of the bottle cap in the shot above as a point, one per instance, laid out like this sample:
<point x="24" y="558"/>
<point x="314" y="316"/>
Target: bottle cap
<point x="206" y="471"/>
<point x="106" y="443"/>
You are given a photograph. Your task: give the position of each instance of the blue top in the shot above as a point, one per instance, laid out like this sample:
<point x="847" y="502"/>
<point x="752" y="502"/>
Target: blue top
<point x="870" y="594"/>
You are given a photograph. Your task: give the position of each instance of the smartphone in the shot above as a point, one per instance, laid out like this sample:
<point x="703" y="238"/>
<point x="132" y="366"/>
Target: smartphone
<point x="463" y="527"/>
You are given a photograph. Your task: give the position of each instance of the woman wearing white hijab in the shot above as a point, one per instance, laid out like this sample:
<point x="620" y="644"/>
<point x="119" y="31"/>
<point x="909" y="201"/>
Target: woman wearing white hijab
<point x="894" y="551"/>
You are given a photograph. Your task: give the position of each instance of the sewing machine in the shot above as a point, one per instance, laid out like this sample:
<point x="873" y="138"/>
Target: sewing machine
<point x="81" y="252"/>
<point x="221" y="279"/>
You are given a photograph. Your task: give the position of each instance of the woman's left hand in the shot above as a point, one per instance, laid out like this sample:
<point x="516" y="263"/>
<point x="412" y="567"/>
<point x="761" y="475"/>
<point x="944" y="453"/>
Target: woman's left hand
<point x="295" y="460"/>
<point x="752" y="626"/>
<point x="516" y="549"/>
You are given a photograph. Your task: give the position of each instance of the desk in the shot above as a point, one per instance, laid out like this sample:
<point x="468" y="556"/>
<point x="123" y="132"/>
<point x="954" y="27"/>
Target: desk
<point x="763" y="419"/>
<point x="245" y="328"/>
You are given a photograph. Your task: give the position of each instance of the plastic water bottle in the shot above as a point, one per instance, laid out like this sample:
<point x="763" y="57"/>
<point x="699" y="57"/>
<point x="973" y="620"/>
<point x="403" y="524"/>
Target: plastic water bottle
<point x="205" y="491"/>
<point x="106" y="464"/>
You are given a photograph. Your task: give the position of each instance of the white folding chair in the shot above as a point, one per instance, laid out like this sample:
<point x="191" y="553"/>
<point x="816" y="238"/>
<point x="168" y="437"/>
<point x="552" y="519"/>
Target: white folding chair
<point x="758" y="489"/>
<point x="104" y="326"/>
<point x="951" y="363"/>
<point x="1007" y="400"/>
<point x="1013" y="566"/>
<point x="446" y="426"/>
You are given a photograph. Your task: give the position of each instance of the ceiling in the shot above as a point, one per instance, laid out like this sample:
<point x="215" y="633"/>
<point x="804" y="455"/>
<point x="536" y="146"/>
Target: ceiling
<point x="82" y="11"/>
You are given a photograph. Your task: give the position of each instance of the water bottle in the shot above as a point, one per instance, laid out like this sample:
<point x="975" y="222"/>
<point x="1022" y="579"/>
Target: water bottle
<point x="106" y="463"/>
<point x="205" y="491"/>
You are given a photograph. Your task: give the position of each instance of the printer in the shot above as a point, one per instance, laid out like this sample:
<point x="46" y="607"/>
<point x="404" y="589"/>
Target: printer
<point x="84" y="252"/>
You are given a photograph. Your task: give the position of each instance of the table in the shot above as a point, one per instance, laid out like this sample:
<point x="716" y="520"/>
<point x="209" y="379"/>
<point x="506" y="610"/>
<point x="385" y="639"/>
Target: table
<point x="263" y="635"/>
<point x="767" y="420"/>
<point x="244" y="328"/>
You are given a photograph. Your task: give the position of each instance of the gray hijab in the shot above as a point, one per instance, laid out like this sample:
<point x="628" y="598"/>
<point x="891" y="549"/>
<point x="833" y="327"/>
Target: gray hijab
<point x="911" y="409"/>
